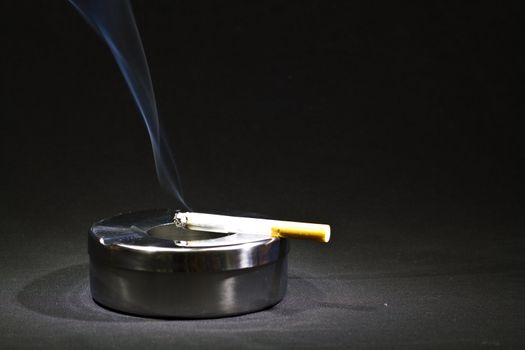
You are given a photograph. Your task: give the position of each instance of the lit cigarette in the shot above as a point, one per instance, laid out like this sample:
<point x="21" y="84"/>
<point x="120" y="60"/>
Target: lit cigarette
<point x="236" y="224"/>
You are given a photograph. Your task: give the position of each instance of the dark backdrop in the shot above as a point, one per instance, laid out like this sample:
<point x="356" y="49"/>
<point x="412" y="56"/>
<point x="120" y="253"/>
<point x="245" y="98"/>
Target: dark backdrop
<point x="397" y="124"/>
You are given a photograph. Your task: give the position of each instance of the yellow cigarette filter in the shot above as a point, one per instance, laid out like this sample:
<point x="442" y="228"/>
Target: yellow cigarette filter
<point x="244" y="225"/>
<point x="316" y="232"/>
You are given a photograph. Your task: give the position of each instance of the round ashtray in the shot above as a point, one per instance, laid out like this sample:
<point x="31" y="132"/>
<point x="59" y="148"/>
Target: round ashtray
<point x="143" y="264"/>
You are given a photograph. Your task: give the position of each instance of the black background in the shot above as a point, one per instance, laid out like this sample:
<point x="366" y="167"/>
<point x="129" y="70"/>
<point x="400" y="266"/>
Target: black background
<point x="396" y="124"/>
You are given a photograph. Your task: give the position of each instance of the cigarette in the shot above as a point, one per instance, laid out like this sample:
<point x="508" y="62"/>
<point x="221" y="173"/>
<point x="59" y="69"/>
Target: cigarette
<point x="246" y="225"/>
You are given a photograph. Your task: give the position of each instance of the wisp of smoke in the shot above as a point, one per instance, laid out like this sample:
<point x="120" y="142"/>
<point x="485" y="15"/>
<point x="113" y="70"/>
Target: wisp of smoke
<point x="114" y="22"/>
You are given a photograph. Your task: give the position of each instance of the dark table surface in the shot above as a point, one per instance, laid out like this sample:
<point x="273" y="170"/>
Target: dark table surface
<point x="397" y="126"/>
<point x="442" y="280"/>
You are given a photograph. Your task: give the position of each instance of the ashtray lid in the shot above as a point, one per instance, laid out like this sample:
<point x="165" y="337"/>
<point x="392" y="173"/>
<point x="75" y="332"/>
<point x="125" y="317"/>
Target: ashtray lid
<point x="149" y="241"/>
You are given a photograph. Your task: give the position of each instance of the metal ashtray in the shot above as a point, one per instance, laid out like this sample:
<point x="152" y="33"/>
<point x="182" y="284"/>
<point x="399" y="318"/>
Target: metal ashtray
<point x="141" y="263"/>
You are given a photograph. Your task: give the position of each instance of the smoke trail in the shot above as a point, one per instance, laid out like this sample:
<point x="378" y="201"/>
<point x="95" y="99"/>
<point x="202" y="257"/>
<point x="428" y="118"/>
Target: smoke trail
<point x="113" y="20"/>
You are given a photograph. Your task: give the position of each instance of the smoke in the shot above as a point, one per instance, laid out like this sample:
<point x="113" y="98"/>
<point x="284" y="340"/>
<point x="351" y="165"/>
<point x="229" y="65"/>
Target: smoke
<point x="113" y="20"/>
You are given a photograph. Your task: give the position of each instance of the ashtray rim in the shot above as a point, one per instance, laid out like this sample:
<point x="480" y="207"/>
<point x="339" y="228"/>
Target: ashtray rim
<point x="123" y="241"/>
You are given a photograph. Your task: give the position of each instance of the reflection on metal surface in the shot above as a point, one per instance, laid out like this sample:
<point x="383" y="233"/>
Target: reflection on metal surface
<point x="140" y="263"/>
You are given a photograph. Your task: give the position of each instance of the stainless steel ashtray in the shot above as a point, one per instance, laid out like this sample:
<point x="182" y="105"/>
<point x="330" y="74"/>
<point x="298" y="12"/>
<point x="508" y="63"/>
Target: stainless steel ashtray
<point x="141" y="263"/>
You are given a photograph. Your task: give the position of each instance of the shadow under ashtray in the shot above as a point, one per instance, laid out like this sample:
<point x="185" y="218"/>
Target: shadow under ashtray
<point x="64" y="293"/>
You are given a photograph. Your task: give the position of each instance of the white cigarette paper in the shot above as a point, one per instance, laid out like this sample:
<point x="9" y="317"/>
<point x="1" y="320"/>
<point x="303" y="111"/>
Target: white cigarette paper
<point x="236" y="224"/>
